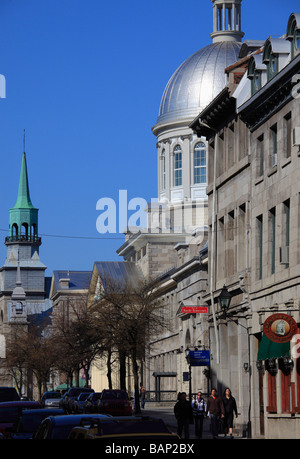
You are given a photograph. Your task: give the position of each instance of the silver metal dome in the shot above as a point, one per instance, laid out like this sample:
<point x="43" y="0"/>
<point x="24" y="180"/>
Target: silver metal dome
<point x="197" y="82"/>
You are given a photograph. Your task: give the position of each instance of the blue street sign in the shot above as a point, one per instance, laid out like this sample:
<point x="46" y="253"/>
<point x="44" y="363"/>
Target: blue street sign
<point x="199" y="358"/>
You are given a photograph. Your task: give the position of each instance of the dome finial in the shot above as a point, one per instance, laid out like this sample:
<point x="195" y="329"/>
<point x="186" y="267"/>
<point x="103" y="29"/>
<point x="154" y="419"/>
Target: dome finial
<point x="227" y="20"/>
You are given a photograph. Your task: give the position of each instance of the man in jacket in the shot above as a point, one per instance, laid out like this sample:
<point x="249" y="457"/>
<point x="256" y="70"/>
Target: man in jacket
<point x="215" y="410"/>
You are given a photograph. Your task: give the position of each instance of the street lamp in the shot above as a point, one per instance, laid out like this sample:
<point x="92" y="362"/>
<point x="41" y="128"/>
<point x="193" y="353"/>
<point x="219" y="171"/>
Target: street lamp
<point x="187" y="356"/>
<point x="224" y="301"/>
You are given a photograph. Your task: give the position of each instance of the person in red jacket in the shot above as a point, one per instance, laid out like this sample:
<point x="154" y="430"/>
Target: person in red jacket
<point x="215" y="410"/>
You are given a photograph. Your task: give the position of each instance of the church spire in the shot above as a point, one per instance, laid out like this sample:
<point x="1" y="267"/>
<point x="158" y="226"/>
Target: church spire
<point x="227" y="20"/>
<point x="23" y="217"/>
<point x="23" y="200"/>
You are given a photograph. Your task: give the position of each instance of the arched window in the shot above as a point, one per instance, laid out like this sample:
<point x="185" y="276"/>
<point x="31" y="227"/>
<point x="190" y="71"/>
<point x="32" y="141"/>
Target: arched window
<point x="24" y="230"/>
<point x="177" y="166"/>
<point x="15" y="231"/>
<point x="200" y="163"/>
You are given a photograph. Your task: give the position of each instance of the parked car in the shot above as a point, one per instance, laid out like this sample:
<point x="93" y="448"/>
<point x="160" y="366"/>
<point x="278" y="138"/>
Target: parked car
<point x="8" y="394"/>
<point x="10" y="411"/>
<point x="91" y="403"/>
<point x="126" y="427"/>
<point x="78" y="404"/>
<point x="114" y="402"/>
<point x="29" y="421"/>
<point x="51" y="399"/>
<point x="72" y="394"/>
<point x="59" y="427"/>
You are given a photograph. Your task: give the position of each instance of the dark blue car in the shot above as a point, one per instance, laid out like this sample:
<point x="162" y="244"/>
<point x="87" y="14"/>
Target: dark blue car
<point x="30" y="420"/>
<point x="59" y="427"/>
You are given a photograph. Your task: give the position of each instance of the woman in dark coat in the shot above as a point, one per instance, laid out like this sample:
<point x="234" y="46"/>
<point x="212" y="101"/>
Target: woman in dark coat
<point x="230" y="408"/>
<point x="184" y="415"/>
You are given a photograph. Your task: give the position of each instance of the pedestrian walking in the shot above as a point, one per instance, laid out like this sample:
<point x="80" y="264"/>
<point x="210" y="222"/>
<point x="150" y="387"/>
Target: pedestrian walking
<point x="215" y="411"/>
<point x="184" y="415"/>
<point x="143" y="396"/>
<point x="199" y="410"/>
<point x="230" y="409"/>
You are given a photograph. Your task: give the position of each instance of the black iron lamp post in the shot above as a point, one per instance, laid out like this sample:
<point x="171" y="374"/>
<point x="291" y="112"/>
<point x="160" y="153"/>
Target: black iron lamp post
<point x="187" y="356"/>
<point x="224" y="301"/>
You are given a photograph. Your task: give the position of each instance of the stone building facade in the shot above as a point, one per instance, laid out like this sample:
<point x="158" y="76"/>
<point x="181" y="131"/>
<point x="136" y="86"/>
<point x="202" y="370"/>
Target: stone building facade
<point x="253" y="201"/>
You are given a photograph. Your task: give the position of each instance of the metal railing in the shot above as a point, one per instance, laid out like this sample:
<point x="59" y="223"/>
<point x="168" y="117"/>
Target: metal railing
<point x="23" y="238"/>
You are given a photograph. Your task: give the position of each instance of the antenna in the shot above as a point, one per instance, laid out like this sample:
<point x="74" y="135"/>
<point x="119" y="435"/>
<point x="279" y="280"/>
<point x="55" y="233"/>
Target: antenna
<point x="24" y="141"/>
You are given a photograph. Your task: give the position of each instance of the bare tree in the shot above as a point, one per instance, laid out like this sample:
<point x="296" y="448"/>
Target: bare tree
<point x="30" y="349"/>
<point x="78" y="338"/>
<point x="131" y="312"/>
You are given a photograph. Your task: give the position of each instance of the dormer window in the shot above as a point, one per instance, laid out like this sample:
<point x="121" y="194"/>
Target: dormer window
<point x="293" y="33"/>
<point x="271" y="61"/>
<point x="257" y="81"/>
<point x="255" y="74"/>
<point x="297" y="40"/>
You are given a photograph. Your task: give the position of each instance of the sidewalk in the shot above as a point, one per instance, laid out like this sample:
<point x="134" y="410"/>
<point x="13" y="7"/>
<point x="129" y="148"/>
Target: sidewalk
<point x="167" y="414"/>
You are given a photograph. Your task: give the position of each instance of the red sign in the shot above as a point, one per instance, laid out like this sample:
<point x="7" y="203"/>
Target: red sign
<point x="194" y="310"/>
<point x="280" y="328"/>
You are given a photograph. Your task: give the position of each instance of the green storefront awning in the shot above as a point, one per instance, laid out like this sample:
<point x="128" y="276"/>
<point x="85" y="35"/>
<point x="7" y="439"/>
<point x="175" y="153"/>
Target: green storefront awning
<point x="65" y="386"/>
<point x="270" y="350"/>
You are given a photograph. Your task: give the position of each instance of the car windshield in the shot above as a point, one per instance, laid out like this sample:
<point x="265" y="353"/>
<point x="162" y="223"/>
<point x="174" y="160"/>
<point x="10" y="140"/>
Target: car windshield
<point x="8" y="414"/>
<point x="83" y="396"/>
<point x="114" y="395"/>
<point x="76" y="392"/>
<point x="30" y="423"/>
<point x="8" y="394"/>
<point x="53" y="395"/>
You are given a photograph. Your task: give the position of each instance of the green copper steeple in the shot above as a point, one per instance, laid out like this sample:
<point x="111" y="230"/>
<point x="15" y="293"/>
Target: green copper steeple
<point x="23" y="217"/>
<point x="23" y="201"/>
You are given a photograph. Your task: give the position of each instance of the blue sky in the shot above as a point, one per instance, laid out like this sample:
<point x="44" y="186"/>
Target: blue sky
<point x="84" y="79"/>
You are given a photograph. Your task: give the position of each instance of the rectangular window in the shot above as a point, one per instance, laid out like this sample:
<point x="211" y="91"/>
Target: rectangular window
<point x="259" y="221"/>
<point x="274" y="145"/>
<point x="286" y="389"/>
<point x="230" y="244"/>
<point x="287" y="130"/>
<point x="286" y="217"/>
<point x="230" y="146"/>
<point x="272" y="395"/>
<point x="242" y="238"/>
<point x="260" y="155"/>
<point x="220" y="155"/>
<point x="221" y="249"/>
<point x="272" y="238"/>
